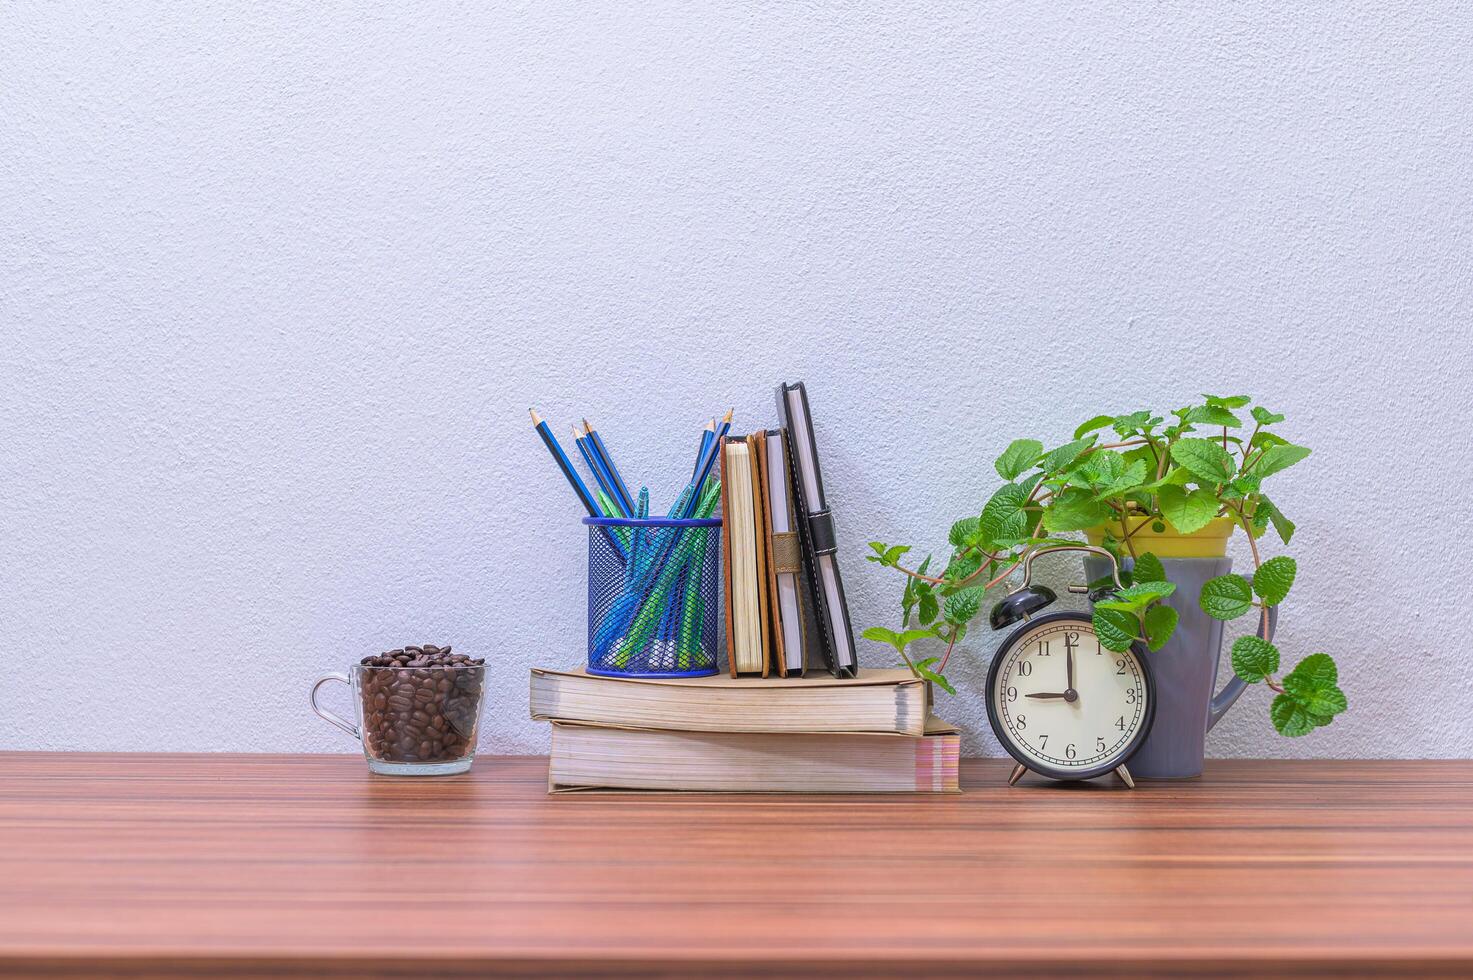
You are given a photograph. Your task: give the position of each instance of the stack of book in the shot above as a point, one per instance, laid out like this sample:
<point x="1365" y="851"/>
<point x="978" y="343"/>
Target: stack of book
<point x="794" y="713"/>
<point x="822" y="734"/>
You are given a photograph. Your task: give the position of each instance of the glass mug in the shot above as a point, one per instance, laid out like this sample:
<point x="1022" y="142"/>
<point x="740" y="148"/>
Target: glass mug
<point x="412" y="721"/>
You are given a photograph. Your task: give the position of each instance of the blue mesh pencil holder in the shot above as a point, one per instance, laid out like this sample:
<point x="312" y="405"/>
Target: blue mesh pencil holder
<point x="654" y="596"/>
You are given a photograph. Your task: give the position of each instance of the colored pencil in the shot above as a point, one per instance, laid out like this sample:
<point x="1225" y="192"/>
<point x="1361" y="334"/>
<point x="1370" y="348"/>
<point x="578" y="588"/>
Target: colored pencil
<point x="566" y="465"/>
<point x="607" y="495"/>
<point x="707" y="434"/>
<point x="602" y="451"/>
<point x="704" y="469"/>
<point x="574" y="480"/>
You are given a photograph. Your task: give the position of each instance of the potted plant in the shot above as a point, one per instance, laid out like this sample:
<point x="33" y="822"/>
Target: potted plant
<point x="1164" y="493"/>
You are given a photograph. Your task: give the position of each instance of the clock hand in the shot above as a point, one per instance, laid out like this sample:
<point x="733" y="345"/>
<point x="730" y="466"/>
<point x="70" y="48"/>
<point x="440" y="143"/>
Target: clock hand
<point x="1049" y="697"/>
<point x="1069" y="654"/>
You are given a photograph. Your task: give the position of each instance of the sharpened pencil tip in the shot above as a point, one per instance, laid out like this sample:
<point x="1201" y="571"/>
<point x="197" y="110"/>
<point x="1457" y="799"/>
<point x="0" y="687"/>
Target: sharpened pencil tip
<point x="729" y="413"/>
<point x="587" y="426"/>
<point x="711" y="426"/>
<point x="576" y="434"/>
<point x="536" y="419"/>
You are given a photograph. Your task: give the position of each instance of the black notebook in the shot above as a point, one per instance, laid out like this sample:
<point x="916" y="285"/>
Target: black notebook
<point x="816" y="529"/>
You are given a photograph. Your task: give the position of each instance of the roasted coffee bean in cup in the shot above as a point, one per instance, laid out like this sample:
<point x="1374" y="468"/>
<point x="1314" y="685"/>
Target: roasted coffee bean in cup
<point x="420" y="704"/>
<point x="419" y="707"/>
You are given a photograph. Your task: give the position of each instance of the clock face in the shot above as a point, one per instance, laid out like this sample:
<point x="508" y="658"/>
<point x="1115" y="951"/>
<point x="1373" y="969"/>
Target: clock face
<point x="1070" y="730"/>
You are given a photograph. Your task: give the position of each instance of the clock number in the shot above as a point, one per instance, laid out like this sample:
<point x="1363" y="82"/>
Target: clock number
<point x="1120" y="723"/>
<point x="1025" y="669"/>
<point x="1012" y="694"/>
<point x="1022" y="722"/>
<point x="1069" y="752"/>
<point x="1043" y="741"/>
<point x="1099" y="743"/>
<point x="1121" y="665"/>
<point x="1130" y="695"/>
<point x="1071" y="640"/>
<point x="1043" y="648"/>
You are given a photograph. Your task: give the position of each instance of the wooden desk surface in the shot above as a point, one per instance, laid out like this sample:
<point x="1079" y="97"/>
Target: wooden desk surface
<point x="274" y="865"/>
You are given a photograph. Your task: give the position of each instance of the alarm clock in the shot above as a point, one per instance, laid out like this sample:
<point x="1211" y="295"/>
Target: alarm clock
<point x="1062" y="704"/>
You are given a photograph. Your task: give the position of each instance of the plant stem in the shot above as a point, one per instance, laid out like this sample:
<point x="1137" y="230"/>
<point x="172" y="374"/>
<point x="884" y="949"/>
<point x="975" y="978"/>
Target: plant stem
<point x="1248" y="446"/>
<point x="947" y="655"/>
<point x="1257" y="564"/>
<point x="1124" y="517"/>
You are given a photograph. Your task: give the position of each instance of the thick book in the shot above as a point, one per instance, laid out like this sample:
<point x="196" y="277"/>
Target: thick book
<point x="588" y="758"/>
<point x="743" y="558"/>
<point x="816" y="528"/>
<point x="884" y="701"/>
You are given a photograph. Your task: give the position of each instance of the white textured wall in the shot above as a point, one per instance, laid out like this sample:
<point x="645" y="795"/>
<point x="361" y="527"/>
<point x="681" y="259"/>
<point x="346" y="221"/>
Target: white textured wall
<point x="279" y="282"/>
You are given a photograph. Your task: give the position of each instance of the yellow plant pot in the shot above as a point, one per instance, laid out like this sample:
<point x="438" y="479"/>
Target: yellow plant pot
<point x="1207" y="542"/>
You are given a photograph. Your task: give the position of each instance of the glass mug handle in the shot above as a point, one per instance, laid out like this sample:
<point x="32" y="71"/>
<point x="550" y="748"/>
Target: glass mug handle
<point x="330" y="716"/>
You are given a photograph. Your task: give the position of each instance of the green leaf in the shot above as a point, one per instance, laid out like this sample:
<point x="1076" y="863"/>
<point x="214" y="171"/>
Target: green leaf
<point x="923" y="667"/>
<point x="1226" y="597"/>
<point x="962" y="532"/>
<point x="1149" y="591"/>
<point x="1160" y="624"/>
<point x="1115" y="628"/>
<point x="1018" y="458"/>
<point x="1174" y="476"/>
<point x="1098" y="422"/>
<point x="1213" y="415"/>
<point x="881" y="635"/>
<point x="959" y="568"/>
<point x="1241" y="487"/>
<point x="1136" y="597"/>
<point x="1274" y="578"/>
<point x="1315" y="670"/>
<point x="1321" y="702"/>
<point x="1134" y="422"/>
<point x="1148" y="568"/>
<point x="1263" y="416"/>
<point x="1074" y="510"/>
<point x="1282" y="524"/>
<point x="1228" y="401"/>
<point x="1059" y="458"/>
<point x="1109" y="474"/>
<point x="1290" y="718"/>
<point x="1276" y="458"/>
<point x="1254" y="659"/>
<point x="892" y="555"/>
<point x="961" y="606"/>
<point x="1102" y="466"/>
<point x="1003" y="517"/>
<point x="1188" y="512"/>
<point x="1205" y="459"/>
<point x="911" y="636"/>
<point x="930" y="608"/>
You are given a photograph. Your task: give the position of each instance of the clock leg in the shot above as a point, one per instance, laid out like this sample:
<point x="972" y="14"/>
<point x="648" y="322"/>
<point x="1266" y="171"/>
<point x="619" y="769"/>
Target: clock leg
<point x="1124" y="775"/>
<point x="1017" y="774"/>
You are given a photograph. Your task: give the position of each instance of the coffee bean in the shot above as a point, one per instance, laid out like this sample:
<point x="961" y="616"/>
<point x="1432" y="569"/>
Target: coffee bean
<point x="420" y="704"/>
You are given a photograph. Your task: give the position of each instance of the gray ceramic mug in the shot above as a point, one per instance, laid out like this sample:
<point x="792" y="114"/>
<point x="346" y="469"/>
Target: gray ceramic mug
<point x="1185" y="670"/>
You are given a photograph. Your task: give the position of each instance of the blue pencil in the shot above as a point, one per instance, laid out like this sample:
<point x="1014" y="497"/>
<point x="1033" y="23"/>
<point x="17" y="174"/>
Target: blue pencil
<point x="595" y="465"/>
<point x="703" y="470"/>
<point x="574" y="480"/>
<point x="707" y="434"/>
<point x="602" y="451"/>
